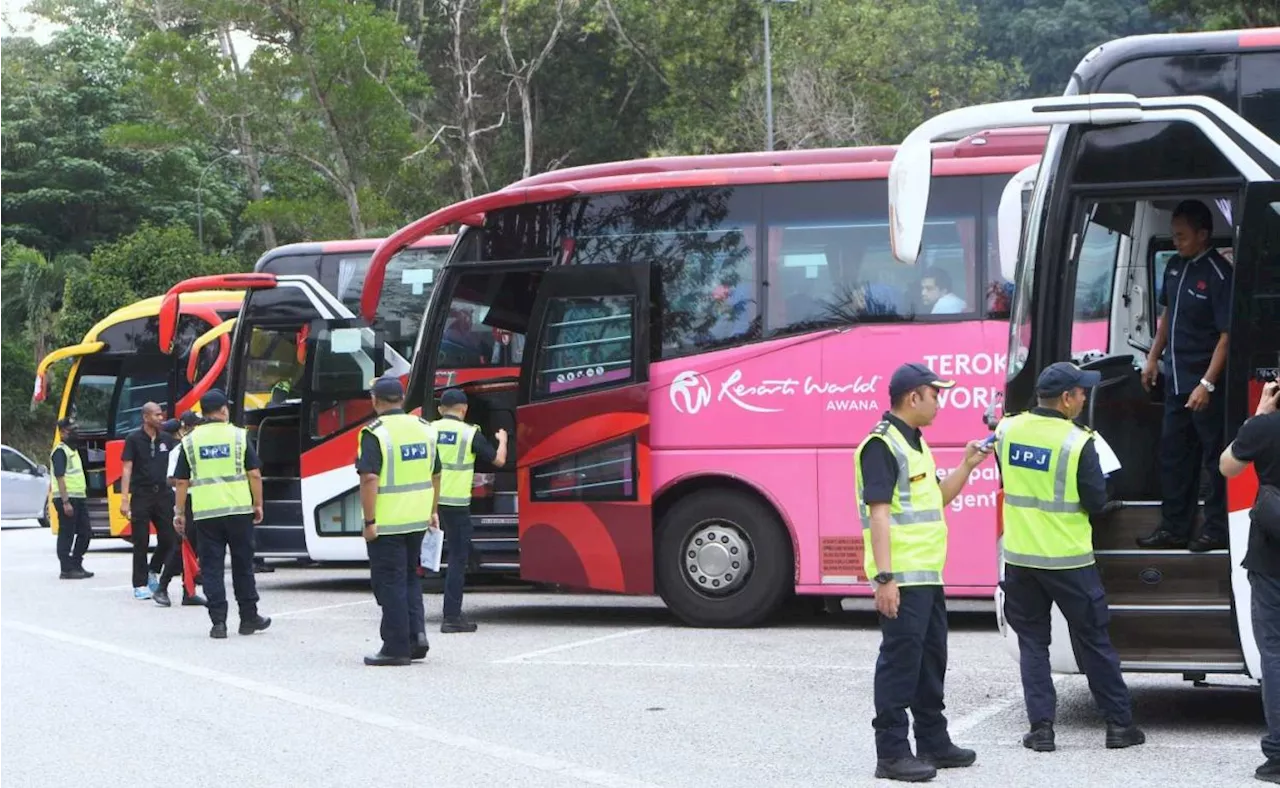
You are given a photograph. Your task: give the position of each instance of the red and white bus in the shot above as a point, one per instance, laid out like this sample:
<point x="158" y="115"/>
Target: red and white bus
<point x="1146" y="122"/>
<point x="699" y="352"/>
<point x="298" y="378"/>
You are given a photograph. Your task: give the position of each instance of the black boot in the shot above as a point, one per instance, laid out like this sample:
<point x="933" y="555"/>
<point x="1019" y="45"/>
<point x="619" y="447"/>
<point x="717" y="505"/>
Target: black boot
<point x="1040" y="738"/>
<point x="257" y="623"/>
<point x="457" y="624"/>
<point x="420" y="646"/>
<point x="218" y="631"/>
<point x="1120" y="736"/>
<point x="952" y="757"/>
<point x="384" y="660"/>
<point x="192" y="600"/>
<point x="1269" y="772"/>
<point x="161" y="597"/>
<point x="909" y="769"/>
<point x="1162" y="540"/>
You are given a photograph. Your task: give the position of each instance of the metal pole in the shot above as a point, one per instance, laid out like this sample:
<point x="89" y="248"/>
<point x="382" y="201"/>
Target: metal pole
<point x="768" y="82"/>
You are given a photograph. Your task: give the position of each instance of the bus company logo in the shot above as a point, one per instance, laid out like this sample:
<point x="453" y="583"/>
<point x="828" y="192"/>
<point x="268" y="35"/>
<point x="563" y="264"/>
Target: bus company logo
<point x="690" y="392"/>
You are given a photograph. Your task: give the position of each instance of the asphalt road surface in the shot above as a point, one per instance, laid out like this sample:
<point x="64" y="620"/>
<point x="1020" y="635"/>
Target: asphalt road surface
<point x="97" y="689"/>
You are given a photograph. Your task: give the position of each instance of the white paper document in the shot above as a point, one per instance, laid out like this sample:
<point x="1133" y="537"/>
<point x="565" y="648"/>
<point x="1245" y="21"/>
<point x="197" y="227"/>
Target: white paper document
<point x="432" y="549"/>
<point x="1106" y="457"/>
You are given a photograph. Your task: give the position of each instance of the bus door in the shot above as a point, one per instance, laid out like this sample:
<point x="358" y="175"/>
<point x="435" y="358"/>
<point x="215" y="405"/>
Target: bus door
<point x="1255" y="358"/>
<point x="583" y="475"/>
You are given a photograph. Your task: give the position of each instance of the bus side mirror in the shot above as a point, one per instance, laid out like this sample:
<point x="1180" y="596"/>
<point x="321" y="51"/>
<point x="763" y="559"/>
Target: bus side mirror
<point x="989" y="415"/>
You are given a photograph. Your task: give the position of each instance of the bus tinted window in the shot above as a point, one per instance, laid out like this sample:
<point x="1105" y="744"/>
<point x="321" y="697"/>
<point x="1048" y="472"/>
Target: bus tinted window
<point x="702" y="242"/>
<point x="273" y="367"/>
<point x="1260" y="91"/>
<point x="487" y="318"/>
<point x="91" y="403"/>
<point x="409" y="278"/>
<point x="1180" y="75"/>
<point x="586" y="343"/>
<point x="137" y="390"/>
<point x="829" y="261"/>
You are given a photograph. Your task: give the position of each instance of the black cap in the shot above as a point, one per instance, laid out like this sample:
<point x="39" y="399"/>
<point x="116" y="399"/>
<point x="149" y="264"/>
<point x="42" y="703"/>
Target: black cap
<point x="1057" y="379"/>
<point x="67" y="423"/>
<point x="170" y="426"/>
<point x="912" y="376"/>
<point x="388" y="388"/>
<point x="191" y="419"/>
<point x="452" y="397"/>
<point x="213" y="400"/>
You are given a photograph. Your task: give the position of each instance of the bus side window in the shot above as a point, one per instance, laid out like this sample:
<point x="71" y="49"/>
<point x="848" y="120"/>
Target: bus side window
<point x="587" y="344"/>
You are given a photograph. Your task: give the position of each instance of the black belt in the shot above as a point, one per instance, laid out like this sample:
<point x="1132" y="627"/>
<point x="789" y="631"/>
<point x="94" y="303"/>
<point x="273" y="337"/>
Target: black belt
<point x="148" y="488"/>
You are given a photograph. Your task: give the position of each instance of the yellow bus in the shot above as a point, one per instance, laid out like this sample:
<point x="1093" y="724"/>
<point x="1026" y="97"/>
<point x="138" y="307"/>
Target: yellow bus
<point x="118" y="367"/>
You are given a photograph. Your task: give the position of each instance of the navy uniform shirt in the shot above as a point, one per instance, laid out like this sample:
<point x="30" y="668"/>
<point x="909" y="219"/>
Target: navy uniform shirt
<point x="880" y="467"/>
<point x="370" y="458"/>
<point x="1197" y="294"/>
<point x="1258" y="442"/>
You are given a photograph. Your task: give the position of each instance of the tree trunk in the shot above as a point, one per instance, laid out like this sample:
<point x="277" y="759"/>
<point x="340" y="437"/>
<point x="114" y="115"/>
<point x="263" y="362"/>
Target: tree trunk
<point x="245" y="138"/>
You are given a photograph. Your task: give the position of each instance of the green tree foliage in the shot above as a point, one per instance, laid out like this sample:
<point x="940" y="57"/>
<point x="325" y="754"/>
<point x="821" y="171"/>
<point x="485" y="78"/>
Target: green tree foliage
<point x="143" y="264"/>
<point x="1049" y="37"/>
<point x="1220" y="14"/>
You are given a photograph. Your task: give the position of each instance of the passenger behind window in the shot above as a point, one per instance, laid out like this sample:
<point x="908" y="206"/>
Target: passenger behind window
<point x="937" y="295"/>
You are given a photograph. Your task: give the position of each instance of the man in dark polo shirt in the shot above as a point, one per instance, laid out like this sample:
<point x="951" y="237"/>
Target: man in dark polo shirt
<point x="1192" y="339"/>
<point x="1258" y="442"/>
<point x="146" y="499"/>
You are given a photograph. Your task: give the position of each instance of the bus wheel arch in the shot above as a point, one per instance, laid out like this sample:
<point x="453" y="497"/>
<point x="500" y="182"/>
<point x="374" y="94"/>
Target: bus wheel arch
<point x="724" y="555"/>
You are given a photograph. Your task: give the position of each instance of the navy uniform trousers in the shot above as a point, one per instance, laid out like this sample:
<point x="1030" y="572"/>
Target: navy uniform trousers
<point x="910" y="672"/>
<point x="1029" y="595"/>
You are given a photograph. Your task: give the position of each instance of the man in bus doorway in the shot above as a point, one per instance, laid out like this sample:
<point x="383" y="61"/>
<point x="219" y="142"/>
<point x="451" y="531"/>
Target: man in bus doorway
<point x="1052" y="482"/>
<point x="74" y="531"/>
<point x="146" y="499"/>
<point x="904" y="533"/>
<point x="1258" y="442"/>
<point x="221" y="469"/>
<point x="399" y="475"/>
<point x="460" y="444"/>
<point x="1192" y="339"/>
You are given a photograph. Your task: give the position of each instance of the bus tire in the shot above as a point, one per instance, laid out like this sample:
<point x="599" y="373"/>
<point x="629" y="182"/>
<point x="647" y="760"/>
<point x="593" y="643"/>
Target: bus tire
<point x="698" y="560"/>
<point x="44" y="522"/>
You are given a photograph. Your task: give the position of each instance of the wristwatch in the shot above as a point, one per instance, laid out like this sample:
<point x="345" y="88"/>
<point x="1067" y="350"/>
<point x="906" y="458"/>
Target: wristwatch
<point x="882" y="578"/>
<point x="1207" y="385"/>
<point x="368" y="523"/>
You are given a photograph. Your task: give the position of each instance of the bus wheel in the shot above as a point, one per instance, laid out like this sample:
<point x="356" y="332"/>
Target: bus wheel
<point x="44" y="522"/>
<point x="722" y="560"/>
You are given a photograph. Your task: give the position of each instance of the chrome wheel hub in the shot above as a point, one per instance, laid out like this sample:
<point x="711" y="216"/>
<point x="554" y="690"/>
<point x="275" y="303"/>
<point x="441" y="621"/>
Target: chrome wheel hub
<point x="717" y="558"/>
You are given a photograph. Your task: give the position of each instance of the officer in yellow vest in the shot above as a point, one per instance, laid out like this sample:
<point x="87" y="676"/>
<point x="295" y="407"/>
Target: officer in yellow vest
<point x="904" y="535"/>
<point x="1053" y="481"/>
<point x="460" y="445"/>
<point x="74" y="531"/>
<point x="399" y="475"/>
<point x="221" y="469"/>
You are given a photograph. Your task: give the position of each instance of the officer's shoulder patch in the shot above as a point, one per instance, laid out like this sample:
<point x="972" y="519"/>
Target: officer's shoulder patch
<point x="373" y="425"/>
<point x="881" y="428"/>
<point x="424" y="421"/>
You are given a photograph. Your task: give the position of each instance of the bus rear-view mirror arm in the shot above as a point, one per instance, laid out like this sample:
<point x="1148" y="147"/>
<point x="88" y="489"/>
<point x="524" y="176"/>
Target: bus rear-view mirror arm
<point x="169" y="307"/>
<point x="912" y="167"/>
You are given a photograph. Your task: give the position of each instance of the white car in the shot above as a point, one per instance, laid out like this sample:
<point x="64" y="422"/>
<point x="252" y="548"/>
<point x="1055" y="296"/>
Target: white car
<point x="24" y="487"/>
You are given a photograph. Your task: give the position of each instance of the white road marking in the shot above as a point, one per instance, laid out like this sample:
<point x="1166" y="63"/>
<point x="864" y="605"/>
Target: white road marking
<point x="688" y="665"/>
<point x="433" y="734"/>
<point x="575" y="644"/>
<point x="306" y="610"/>
<point x="975" y="718"/>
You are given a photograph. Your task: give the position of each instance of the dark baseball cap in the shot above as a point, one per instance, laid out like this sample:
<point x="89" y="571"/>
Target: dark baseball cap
<point x="191" y="419"/>
<point x="912" y="376"/>
<point x="67" y="423"/>
<point x="170" y="426"/>
<point x="452" y="397"/>
<point x="1059" y="378"/>
<point x="388" y="388"/>
<point x="214" y="399"/>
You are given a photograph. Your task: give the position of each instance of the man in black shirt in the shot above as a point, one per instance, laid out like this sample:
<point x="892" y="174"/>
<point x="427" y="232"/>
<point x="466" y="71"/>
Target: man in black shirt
<point x="146" y="499"/>
<point x="1258" y="442"/>
<point x="1192" y="338"/>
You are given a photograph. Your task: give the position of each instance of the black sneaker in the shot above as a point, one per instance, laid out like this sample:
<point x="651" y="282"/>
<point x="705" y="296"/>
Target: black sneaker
<point x="1040" y="738"/>
<point x="1269" y="772"/>
<point x="252" y="625"/>
<point x="193" y="600"/>
<point x="952" y="757"/>
<point x="420" y="647"/>
<point x="161" y="598"/>
<point x="909" y="769"/>
<point x="1119" y="736"/>
<point x="458" y="624"/>
<point x="74" y="574"/>
<point x="218" y="632"/>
